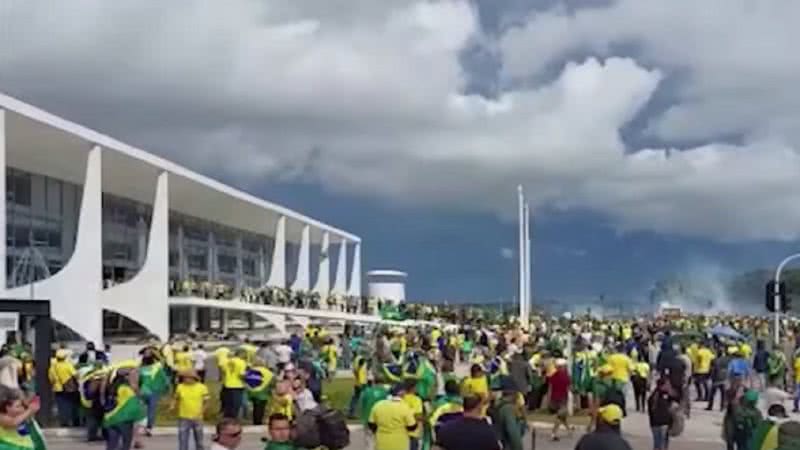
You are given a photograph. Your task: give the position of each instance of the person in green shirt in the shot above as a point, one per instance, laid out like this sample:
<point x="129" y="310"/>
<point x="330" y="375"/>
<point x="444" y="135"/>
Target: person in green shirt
<point x="374" y="392"/>
<point x="280" y="433"/>
<point x="505" y="418"/>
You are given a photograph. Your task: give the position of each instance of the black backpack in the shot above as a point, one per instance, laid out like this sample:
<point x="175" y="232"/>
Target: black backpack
<point x="322" y="426"/>
<point x="614" y="395"/>
<point x="333" y="431"/>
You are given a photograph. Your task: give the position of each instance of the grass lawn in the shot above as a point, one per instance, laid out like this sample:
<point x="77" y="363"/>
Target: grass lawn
<point x="336" y="392"/>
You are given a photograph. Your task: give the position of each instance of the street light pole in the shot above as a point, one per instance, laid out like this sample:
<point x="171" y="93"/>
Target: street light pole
<point x="777" y="294"/>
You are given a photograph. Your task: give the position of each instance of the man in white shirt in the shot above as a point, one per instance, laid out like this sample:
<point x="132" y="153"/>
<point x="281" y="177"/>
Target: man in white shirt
<point x="199" y="360"/>
<point x="228" y="435"/>
<point x="284" y="354"/>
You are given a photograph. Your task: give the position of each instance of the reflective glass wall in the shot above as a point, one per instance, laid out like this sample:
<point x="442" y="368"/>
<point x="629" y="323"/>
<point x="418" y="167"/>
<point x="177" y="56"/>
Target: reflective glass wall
<point x="41" y="223"/>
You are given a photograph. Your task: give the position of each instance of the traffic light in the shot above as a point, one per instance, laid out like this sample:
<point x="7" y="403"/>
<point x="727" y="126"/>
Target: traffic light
<point x="769" y="296"/>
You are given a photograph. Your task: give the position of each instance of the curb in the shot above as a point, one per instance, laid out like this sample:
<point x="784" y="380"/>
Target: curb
<point x="80" y="432"/>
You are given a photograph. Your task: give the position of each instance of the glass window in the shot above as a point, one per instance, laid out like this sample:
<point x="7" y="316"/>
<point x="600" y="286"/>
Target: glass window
<point x="249" y="267"/>
<point x="173" y="258"/>
<point x="197" y="259"/>
<point x="226" y="263"/>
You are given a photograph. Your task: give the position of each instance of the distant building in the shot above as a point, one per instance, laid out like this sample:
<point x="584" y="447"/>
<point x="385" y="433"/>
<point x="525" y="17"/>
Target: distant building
<point x="387" y="285"/>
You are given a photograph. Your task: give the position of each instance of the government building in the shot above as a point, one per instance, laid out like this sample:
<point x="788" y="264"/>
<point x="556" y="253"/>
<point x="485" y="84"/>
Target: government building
<point x="105" y="230"/>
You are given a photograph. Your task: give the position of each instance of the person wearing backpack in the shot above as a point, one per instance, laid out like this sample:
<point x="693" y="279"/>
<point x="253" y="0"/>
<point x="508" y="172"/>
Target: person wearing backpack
<point x="719" y="376"/>
<point x="505" y="417"/>
<point x="659" y="410"/>
<point x="62" y="376"/>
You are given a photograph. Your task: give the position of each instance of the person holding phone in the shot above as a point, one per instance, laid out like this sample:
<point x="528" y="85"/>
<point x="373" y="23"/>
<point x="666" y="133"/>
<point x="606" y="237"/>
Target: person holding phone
<point x="17" y="425"/>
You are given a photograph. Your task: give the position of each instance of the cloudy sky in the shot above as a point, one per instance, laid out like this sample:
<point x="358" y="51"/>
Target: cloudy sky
<point x="653" y="137"/>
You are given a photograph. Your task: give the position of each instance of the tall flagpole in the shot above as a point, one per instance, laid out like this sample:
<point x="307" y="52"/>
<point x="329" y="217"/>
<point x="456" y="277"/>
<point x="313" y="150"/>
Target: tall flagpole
<point x="521" y="252"/>
<point x="527" y="263"/>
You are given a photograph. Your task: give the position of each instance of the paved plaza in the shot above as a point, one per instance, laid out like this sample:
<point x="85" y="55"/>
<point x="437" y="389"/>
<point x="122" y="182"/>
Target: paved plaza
<point x="702" y="433"/>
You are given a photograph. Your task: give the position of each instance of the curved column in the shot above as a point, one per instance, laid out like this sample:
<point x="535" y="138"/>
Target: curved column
<point x="3" y="282"/>
<point x="277" y="320"/>
<point x="340" y="282"/>
<point x="302" y="281"/>
<point x="74" y="291"/>
<point x="144" y="298"/>
<point x="277" y="272"/>
<point x="355" y="277"/>
<point x="323" y="284"/>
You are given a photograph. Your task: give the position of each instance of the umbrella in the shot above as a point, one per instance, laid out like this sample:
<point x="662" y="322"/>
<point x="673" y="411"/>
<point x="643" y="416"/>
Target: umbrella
<point x="725" y="331"/>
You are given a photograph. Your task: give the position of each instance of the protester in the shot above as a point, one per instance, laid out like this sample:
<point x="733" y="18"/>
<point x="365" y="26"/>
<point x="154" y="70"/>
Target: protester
<point x="124" y="409"/>
<point x="190" y="401"/>
<point x="392" y="421"/>
<point x="607" y="435"/>
<point x="18" y="430"/>
<point x="659" y="409"/>
<point x="507" y="416"/>
<point x="233" y="371"/>
<point x="65" y="387"/>
<point x="469" y="431"/>
<point x="280" y="433"/>
<point x="228" y="435"/>
<point x="559" y="387"/>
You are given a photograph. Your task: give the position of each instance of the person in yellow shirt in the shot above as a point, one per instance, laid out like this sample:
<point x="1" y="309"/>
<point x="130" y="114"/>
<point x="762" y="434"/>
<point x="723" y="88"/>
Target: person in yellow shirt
<point x="62" y="375"/>
<point x="476" y="385"/>
<point x="183" y="360"/>
<point x="641" y="385"/>
<point x="282" y="401"/>
<point x="190" y="401"/>
<point x="415" y="404"/>
<point x="702" y="371"/>
<point x="392" y="421"/>
<point x="233" y="384"/>
<point x="621" y="366"/>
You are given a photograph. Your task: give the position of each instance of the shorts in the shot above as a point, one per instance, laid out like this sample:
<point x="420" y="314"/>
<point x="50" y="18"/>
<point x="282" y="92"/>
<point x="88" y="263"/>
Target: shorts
<point x="559" y="408"/>
<point x="660" y="437"/>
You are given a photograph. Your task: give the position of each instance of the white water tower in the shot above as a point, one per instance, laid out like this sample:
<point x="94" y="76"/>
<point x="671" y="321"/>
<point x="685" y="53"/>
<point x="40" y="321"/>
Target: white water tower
<point x="387" y="285"/>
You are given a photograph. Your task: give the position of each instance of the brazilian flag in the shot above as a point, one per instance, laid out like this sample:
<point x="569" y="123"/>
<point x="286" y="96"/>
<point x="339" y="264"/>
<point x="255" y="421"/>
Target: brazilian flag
<point x="390" y="312"/>
<point x="258" y="380"/>
<point x="27" y="436"/>
<point x="392" y="372"/>
<point x="153" y="380"/>
<point x="123" y="406"/>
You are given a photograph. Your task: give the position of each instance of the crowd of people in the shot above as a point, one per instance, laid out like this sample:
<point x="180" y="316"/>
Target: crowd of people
<point x="467" y="384"/>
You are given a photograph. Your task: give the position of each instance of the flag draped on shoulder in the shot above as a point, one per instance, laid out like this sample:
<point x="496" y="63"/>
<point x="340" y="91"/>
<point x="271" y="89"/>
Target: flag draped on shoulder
<point x="258" y="380"/>
<point x="123" y="406"/>
<point x="27" y="436"/>
<point x="153" y="379"/>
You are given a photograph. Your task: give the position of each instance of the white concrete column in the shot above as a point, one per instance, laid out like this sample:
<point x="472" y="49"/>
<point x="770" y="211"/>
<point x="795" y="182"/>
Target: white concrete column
<point x="239" y="266"/>
<point x="355" y="277"/>
<point x="3" y="202"/>
<point x="340" y="282"/>
<point x="192" y="319"/>
<point x="302" y="281"/>
<point x="262" y="270"/>
<point x="141" y="231"/>
<point x="183" y="268"/>
<point x="211" y="259"/>
<point x="145" y="297"/>
<point x="323" y="284"/>
<point x="223" y="321"/>
<point x="277" y="273"/>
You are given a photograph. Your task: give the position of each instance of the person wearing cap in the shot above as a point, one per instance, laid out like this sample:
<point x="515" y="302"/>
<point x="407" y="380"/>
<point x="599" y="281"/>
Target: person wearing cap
<point x="392" y="421"/>
<point x="233" y="385"/>
<point x="607" y="435"/>
<point x="559" y="386"/>
<point x="742" y="420"/>
<point x="190" y="401"/>
<point x="62" y="376"/>
<point x="505" y="415"/>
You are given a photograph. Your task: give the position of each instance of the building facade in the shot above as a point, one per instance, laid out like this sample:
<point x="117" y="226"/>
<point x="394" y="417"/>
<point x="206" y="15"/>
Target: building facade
<point x="95" y="225"/>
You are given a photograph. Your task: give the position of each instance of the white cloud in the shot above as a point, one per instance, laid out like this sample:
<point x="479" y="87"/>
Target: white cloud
<point x="370" y="100"/>
<point x="506" y="253"/>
